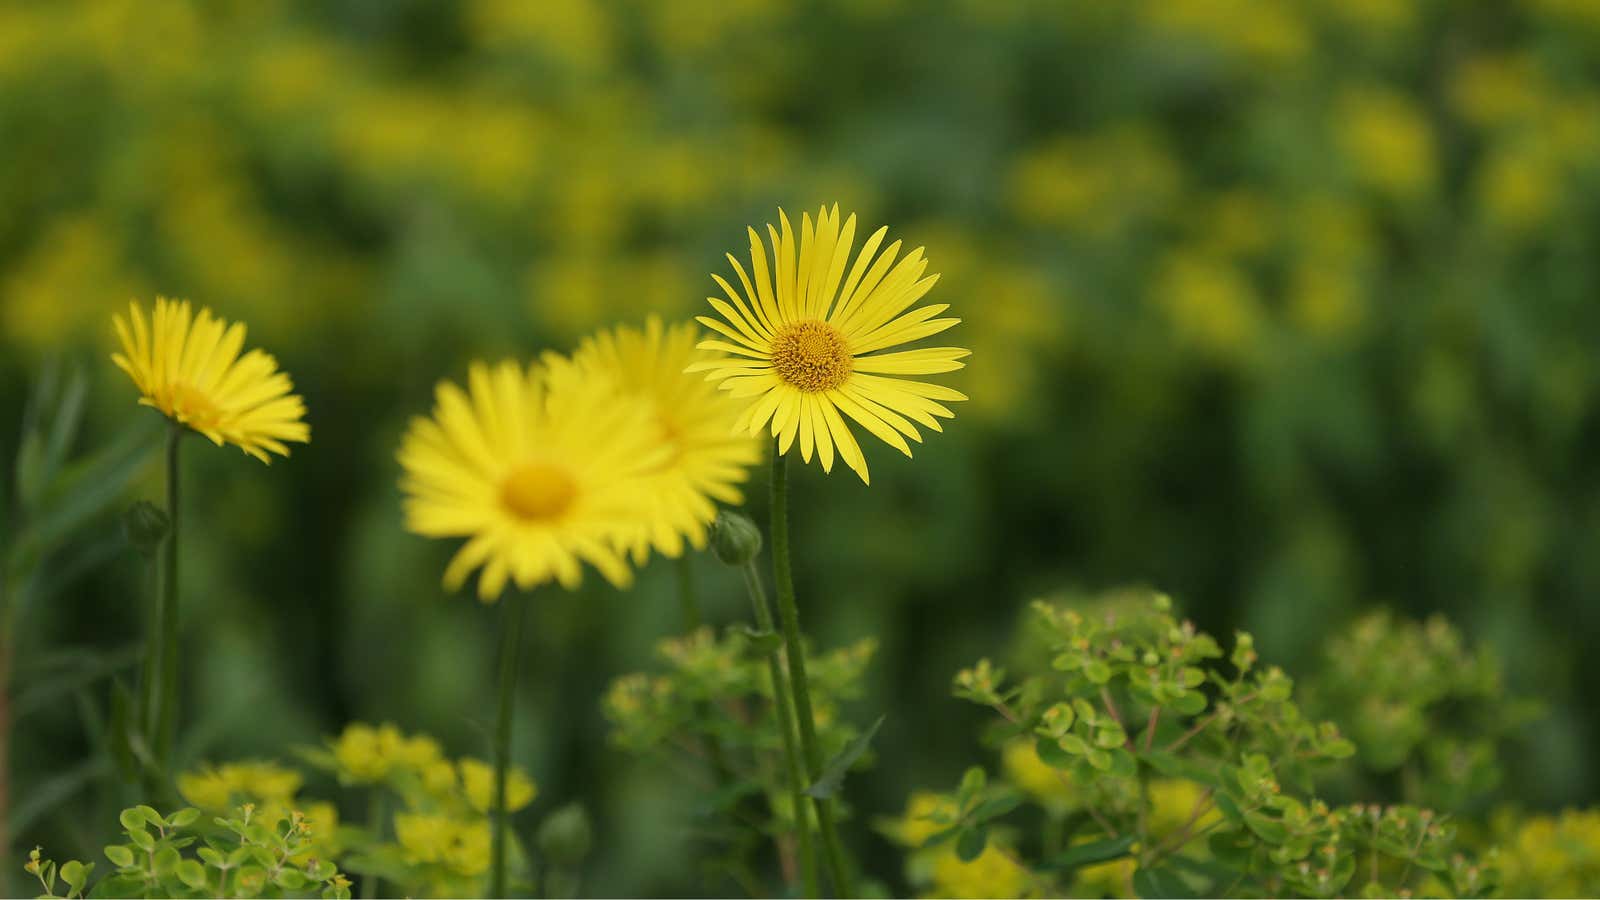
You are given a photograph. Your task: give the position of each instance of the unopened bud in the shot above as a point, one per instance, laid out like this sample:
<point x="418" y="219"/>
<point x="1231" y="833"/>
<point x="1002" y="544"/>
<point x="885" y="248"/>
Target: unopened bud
<point x="565" y="836"/>
<point x="145" y="526"/>
<point x="734" y="538"/>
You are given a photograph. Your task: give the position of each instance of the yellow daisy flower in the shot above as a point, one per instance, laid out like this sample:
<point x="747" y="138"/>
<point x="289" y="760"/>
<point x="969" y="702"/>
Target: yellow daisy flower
<point x="802" y="346"/>
<point x="541" y="467"/>
<point x="706" y="460"/>
<point x="189" y="368"/>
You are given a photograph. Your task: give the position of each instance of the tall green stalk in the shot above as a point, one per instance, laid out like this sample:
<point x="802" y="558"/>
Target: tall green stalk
<point x="167" y="712"/>
<point x="516" y="609"/>
<point x="377" y="816"/>
<point x="789" y="614"/>
<point x="791" y="753"/>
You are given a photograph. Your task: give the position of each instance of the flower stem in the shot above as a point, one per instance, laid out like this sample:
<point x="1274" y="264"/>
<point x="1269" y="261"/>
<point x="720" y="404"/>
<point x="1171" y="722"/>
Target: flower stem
<point x="789" y="614"/>
<point x="510" y="652"/>
<point x="784" y="710"/>
<point x="167" y="711"/>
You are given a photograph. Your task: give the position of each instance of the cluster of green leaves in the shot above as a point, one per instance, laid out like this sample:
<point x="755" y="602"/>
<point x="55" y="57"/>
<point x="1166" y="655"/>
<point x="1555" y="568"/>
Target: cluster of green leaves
<point x="1421" y="703"/>
<point x="240" y="856"/>
<point x="710" y="708"/>
<point x="1135" y="702"/>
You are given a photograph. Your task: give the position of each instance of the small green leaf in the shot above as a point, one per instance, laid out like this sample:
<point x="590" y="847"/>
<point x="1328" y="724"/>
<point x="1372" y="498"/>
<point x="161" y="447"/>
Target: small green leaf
<point x="183" y="818"/>
<point x="290" y="880"/>
<point x="995" y="807"/>
<point x="167" y="860"/>
<point x="833" y="774"/>
<point x="1100" y="759"/>
<point x="73" y="873"/>
<point x="142" y="839"/>
<point x="1268" y="829"/>
<point x="1050" y="752"/>
<point x="132" y="819"/>
<point x="969" y="846"/>
<point x="212" y="858"/>
<point x="192" y="873"/>
<point x="120" y="855"/>
<point x="1160" y="882"/>
<point x="151" y="816"/>
<point x="1092" y="853"/>
<point x="1097" y="671"/>
<point x="1190" y="703"/>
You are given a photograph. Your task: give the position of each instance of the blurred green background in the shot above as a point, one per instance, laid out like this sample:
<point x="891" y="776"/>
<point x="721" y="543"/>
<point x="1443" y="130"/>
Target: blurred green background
<point x="1285" y="306"/>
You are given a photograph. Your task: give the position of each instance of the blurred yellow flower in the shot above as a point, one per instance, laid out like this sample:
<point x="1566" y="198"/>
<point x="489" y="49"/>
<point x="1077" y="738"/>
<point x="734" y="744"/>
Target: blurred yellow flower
<point x="438" y="838"/>
<point x="927" y="814"/>
<point x="222" y="788"/>
<point x="1550" y="856"/>
<point x="994" y="874"/>
<point x="477" y="780"/>
<point x="1388" y="141"/>
<point x="540" y="467"/>
<point x="706" y="459"/>
<point x="800" y="343"/>
<point x="1050" y="787"/>
<point x="1211" y="304"/>
<point x="364" y="753"/>
<point x="190" y="369"/>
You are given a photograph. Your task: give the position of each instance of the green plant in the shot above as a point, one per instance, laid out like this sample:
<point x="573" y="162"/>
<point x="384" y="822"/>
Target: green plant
<point x="183" y="854"/>
<point x="1177" y="768"/>
<point x="718" y="689"/>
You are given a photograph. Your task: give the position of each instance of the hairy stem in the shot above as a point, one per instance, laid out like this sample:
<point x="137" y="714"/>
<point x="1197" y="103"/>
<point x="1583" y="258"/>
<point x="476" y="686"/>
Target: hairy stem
<point x="784" y="710"/>
<point x="516" y="609"/>
<point x="789" y="614"/>
<point x="167" y="714"/>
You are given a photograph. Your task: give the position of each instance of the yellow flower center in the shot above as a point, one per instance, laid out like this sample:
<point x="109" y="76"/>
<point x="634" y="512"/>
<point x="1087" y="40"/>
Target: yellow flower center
<point x="537" y="491"/>
<point x="811" y="356"/>
<point x="193" y="407"/>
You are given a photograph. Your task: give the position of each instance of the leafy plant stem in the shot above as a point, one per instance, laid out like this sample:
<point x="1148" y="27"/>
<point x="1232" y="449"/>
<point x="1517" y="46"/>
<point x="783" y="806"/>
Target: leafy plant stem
<point x="167" y="718"/>
<point x="783" y="579"/>
<point x="515" y="611"/>
<point x="784" y="709"/>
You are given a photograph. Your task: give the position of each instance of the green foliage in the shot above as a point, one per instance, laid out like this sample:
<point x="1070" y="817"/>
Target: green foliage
<point x="1159" y="764"/>
<point x="187" y="854"/>
<point x="710" y="707"/>
<point x="1422" y="703"/>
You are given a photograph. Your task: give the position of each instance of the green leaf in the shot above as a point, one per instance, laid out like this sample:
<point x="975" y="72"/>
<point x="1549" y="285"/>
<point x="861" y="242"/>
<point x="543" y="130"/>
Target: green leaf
<point x="1092" y="853"/>
<point x="74" y="874"/>
<point x="120" y="855"/>
<point x="1051" y="754"/>
<point x="183" y="818"/>
<point x="43" y="694"/>
<point x="1190" y="703"/>
<point x="1160" y="882"/>
<point x="48" y="795"/>
<point x="151" y="816"/>
<point x="995" y="807"/>
<point x="1097" y="671"/>
<point x="192" y="873"/>
<point x="290" y="880"/>
<point x="833" y="774"/>
<point x="142" y="839"/>
<point x="969" y="846"/>
<point x="1268" y="829"/>
<point x="132" y="819"/>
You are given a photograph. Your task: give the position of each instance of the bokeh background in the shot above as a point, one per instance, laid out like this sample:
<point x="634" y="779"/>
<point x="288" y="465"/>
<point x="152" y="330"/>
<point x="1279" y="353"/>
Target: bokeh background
<point x="1288" y="307"/>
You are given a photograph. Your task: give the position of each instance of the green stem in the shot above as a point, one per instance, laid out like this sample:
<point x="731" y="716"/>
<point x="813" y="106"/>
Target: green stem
<point x="167" y="719"/>
<point x="783" y="579"/>
<point x="510" y="651"/>
<point x="377" y="815"/>
<point x="150" y="675"/>
<point x="687" y="597"/>
<point x="784" y="711"/>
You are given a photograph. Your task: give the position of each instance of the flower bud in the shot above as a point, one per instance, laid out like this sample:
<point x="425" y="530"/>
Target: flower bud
<point x="564" y="837"/>
<point x="734" y="538"/>
<point x="145" y="526"/>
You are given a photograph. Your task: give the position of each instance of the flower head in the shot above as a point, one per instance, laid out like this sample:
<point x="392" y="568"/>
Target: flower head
<point x="540" y="467"/>
<point x="706" y="461"/>
<point x="189" y="367"/>
<point x="803" y="341"/>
